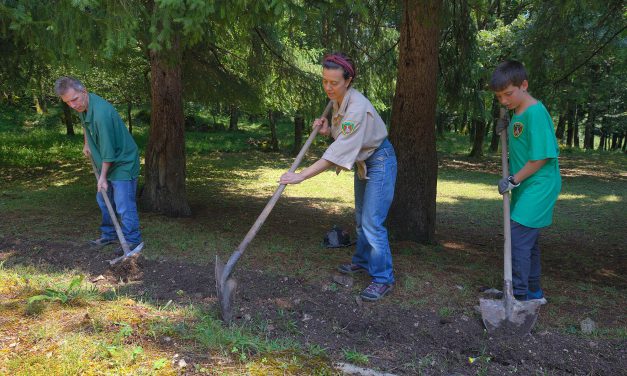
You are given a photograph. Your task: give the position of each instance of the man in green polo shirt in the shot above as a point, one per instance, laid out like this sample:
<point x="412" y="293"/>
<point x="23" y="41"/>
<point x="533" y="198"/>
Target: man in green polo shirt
<point x="115" y="153"/>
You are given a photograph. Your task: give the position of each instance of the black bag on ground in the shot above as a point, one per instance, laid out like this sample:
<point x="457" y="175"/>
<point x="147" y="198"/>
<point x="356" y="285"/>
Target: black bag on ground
<point x="337" y="238"/>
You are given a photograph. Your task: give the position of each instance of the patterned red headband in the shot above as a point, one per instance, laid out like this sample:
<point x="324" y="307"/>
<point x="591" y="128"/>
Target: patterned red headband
<point x="342" y="62"/>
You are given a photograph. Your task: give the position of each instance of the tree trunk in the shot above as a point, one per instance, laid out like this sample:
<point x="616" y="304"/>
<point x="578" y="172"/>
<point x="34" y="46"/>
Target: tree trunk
<point x="559" y="132"/>
<point x="274" y="141"/>
<point x="67" y="119"/>
<point x="588" y="139"/>
<point x="164" y="190"/>
<point x="570" y="129"/>
<point x="439" y="121"/>
<point x="477" y="144"/>
<point x="299" y="126"/>
<point x="412" y="215"/>
<point x="494" y="142"/>
<point x="234" y="117"/>
<point x="129" y="117"/>
<point x="578" y="116"/>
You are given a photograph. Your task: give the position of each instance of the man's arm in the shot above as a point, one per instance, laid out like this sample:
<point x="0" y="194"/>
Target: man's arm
<point x="102" y="181"/>
<point x="86" y="150"/>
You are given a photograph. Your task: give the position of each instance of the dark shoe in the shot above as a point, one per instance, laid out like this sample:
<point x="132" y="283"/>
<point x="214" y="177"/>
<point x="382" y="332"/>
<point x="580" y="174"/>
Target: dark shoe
<point x="102" y="242"/>
<point x="119" y="251"/>
<point x="375" y="291"/>
<point x="351" y="269"/>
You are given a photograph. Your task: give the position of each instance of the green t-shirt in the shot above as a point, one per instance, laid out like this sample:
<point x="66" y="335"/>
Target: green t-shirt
<point x="109" y="140"/>
<point x="530" y="138"/>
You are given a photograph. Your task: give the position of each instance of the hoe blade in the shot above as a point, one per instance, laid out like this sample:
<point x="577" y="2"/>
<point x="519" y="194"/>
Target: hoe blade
<point x="509" y="317"/>
<point x="132" y="252"/>
<point x="225" y="292"/>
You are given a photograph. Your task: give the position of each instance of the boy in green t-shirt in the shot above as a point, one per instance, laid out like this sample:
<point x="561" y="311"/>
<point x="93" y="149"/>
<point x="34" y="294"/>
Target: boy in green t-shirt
<point x="535" y="180"/>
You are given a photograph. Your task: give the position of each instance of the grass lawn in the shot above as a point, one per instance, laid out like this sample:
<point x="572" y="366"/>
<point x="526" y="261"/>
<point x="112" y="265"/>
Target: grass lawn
<point x="104" y="326"/>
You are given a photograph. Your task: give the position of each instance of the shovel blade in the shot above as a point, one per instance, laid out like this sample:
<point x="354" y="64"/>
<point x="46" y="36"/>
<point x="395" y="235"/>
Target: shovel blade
<point x="224" y="291"/>
<point x="132" y="252"/>
<point x="518" y="320"/>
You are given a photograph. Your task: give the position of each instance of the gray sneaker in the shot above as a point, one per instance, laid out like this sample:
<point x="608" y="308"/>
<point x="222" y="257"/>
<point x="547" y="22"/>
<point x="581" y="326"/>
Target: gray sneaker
<point x="375" y="291"/>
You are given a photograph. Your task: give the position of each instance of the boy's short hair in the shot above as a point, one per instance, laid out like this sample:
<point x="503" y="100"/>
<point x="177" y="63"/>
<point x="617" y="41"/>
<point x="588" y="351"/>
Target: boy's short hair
<point x="508" y="72"/>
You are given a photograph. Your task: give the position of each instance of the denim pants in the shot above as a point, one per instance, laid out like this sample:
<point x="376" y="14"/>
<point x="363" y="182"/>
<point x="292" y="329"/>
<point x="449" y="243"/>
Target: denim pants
<point x="373" y="198"/>
<point x="525" y="259"/>
<point x="122" y="196"/>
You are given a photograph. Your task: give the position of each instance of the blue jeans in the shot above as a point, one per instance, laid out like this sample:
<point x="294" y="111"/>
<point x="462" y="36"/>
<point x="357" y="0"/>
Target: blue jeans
<point x="373" y="198"/>
<point x="525" y="259"/>
<point x="122" y="196"/>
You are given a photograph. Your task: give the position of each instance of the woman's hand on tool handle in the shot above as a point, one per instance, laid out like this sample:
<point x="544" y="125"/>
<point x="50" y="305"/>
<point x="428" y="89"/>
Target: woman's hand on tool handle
<point x="324" y="130"/>
<point x="291" y="178"/>
<point x="311" y="171"/>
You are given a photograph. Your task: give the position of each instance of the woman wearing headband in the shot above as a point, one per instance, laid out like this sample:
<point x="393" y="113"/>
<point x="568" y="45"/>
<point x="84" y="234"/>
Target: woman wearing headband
<point x="360" y="139"/>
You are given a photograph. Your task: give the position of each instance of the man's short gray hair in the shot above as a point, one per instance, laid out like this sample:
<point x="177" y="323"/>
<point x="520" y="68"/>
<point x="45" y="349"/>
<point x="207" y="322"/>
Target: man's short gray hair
<point x="63" y="84"/>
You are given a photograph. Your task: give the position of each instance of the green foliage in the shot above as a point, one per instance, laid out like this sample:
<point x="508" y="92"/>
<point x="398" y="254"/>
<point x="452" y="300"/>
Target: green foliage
<point x="72" y="294"/>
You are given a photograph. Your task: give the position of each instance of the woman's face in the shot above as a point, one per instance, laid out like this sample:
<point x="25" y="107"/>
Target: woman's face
<point x="334" y="83"/>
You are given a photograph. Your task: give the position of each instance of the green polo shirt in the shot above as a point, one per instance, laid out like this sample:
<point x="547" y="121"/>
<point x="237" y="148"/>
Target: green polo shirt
<point x="530" y="138"/>
<point x="109" y="140"/>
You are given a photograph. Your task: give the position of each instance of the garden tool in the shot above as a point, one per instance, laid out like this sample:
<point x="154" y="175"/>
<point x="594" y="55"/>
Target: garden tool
<point x="508" y="316"/>
<point x="127" y="251"/>
<point x="226" y="286"/>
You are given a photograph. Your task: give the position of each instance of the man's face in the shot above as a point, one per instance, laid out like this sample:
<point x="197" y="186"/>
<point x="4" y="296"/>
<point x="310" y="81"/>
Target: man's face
<point x="78" y="100"/>
<point x="512" y="96"/>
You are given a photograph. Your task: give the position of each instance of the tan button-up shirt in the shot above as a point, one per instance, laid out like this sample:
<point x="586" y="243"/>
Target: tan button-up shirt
<point x="358" y="131"/>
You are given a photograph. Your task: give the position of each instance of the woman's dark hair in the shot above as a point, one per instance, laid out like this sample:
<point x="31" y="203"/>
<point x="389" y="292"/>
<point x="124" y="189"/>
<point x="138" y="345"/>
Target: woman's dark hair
<point x="338" y="60"/>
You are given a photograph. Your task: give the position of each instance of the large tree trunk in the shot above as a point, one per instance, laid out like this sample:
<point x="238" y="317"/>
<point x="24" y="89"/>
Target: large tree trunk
<point x="67" y="119"/>
<point x="299" y="125"/>
<point x="164" y="190"/>
<point x="412" y="215"/>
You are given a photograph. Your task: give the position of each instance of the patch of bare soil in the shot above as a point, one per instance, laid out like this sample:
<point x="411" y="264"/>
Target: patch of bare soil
<point x="396" y="339"/>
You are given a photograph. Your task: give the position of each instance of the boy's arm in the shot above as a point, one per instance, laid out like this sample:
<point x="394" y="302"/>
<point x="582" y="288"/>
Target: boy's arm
<point x="530" y="168"/>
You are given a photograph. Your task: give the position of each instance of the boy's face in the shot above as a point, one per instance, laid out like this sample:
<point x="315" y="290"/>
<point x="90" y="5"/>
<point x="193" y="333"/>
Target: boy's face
<point x="512" y="96"/>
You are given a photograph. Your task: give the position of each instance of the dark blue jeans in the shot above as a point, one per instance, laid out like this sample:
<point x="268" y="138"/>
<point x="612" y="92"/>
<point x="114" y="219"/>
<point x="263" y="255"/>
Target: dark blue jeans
<point x="373" y="198"/>
<point x="122" y="196"/>
<point x="525" y="258"/>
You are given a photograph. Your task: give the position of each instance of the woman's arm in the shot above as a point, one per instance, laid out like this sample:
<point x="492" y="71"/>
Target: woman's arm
<point x="311" y="171"/>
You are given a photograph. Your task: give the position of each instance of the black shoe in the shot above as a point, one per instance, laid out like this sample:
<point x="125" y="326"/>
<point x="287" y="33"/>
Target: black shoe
<point x="351" y="269"/>
<point x="101" y="242"/>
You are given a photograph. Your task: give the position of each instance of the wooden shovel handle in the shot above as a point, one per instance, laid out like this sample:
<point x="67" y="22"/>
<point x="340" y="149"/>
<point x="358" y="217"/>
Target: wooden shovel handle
<point x="507" y="229"/>
<point x="105" y="196"/>
<point x="270" y="205"/>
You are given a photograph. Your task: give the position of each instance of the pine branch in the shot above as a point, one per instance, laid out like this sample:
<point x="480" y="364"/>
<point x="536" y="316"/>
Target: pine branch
<point x="594" y="53"/>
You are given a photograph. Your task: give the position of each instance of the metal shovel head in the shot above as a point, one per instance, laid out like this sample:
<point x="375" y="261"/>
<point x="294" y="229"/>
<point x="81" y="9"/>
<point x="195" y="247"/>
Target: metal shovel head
<point x="225" y="292"/>
<point x="509" y="317"/>
<point x="132" y="252"/>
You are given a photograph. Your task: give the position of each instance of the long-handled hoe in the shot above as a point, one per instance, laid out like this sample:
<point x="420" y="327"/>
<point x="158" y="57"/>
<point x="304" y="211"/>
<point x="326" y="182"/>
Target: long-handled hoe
<point x="508" y="316"/>
<point x="226" y="286"/>
<point x="128" y="252"/>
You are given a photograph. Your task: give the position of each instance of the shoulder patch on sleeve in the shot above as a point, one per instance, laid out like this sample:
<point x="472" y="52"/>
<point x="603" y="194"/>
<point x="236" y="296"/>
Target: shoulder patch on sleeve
<point x="347" y="127"/>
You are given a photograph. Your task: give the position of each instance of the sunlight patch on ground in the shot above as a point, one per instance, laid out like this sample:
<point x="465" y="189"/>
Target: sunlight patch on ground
<point x="610" y="198"/>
